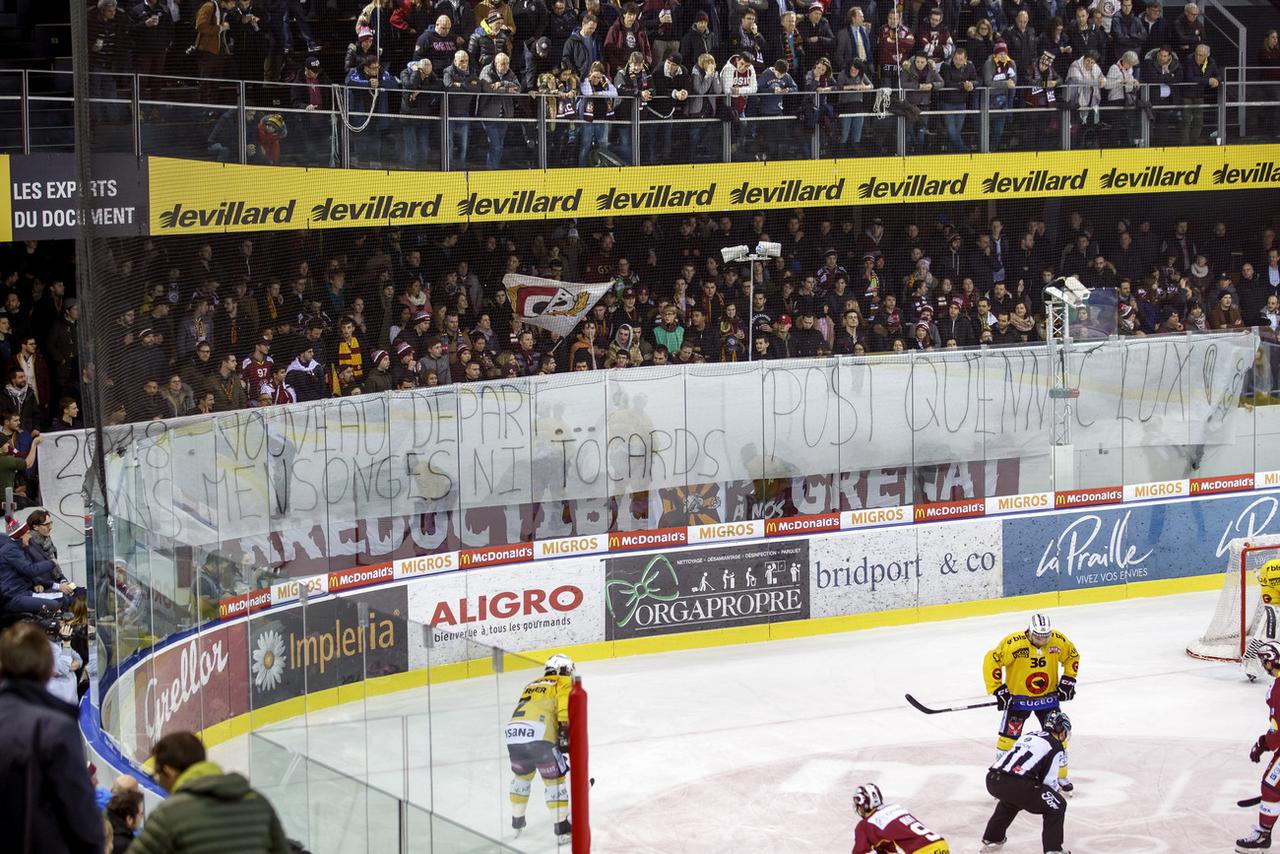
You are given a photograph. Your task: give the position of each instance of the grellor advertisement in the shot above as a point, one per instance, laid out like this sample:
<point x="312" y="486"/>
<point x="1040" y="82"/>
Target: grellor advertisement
<point x="685" y="591"/>
<point x="518" y="608"/>
<point x="191" y="685"/>
<point x="296" y="650"/>
<point x="45" y="196"/>
<point x="1116" y="545"/>
<point x="882" y="570"/>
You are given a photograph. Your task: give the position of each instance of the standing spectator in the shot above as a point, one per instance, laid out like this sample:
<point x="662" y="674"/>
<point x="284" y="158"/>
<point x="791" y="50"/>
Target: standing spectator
<point x="1122" y="91"/>
<point x="895" y="44"/>
<point x="595" y="106"/>
<point x="367" y="88"/>
<point x="20" y="398"/>
<point x="1154" y="26"/>
<point x="227" y="387"/>
<point x="500" y="85"/>
<point x="853" y="41"/>
<point x="459" y="80"/>
<point x="1188" y="30"/>
<point x="1162" y="74"/>
<point x="420" y="101"/>
<point x="1269" y="88"/>
<point x="1084" y="85"/>
<point x="438" y="43"/>
<point x="1000" y="75"/>
<point x="1203" y="75"/>
<point x="312" y="94"/>
<point x="1083" y="36"/>
<point x="213" y="45"/>
<point x="1020" y="43"/>
<point x="1127" y="32"/>
<point x="33" y="363"/>
<point x="108" y="40"/>
<point x="151" y="28"/>
<point x="959" y="78"/>
<point x="207" y="809"/>
<point x="699" y="39"/>
<point x="68" y="416"/>
<point x="581" y="50"/>
<point x="41" y="740"/>
<point x="624" y="38"/>
<point x="63" y="348"/>
<point x="492" y="37"/>
<point x="815" y="33"/>
<point x="851" y="82"/>
<point x="305" y="375"/>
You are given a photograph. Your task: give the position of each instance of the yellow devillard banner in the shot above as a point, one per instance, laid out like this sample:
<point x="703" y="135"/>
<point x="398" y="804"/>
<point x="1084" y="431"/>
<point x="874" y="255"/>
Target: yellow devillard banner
<point x="189" y="197"/>
<point x="6" y="202"/>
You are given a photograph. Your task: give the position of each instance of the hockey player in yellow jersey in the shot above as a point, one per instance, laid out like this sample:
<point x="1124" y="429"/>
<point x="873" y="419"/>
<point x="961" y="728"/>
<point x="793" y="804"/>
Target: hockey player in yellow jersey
<point x="537" y="737"/>
<point x="1267" y="621"/>
<point x="1031" y="672"/>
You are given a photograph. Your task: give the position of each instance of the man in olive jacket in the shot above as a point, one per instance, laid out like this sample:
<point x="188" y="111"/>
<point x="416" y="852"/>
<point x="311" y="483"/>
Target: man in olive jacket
<point x="207" y="812"/>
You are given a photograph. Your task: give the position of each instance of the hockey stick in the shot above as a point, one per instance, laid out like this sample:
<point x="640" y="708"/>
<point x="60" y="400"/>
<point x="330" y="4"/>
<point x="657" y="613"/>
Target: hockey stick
<point x="956" y="708"/>
<point x="1250" y="802"/>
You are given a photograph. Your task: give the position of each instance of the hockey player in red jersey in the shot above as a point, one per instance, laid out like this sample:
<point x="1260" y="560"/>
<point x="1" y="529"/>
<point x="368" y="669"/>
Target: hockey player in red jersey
<point x="889" y="828"/>
<point x="1260" y="840"/>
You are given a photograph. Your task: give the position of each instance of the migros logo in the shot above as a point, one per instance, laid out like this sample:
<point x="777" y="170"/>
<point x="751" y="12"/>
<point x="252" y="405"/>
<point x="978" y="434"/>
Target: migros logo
<point x="519" y="202"/>
<point x="655" y="196"/>
<point x="912" y="187"/>
<point x="786" y="192"/>
<point x="1152" y="176"/>
<point x="228" y="214"/>
<point x="1036" y="181"/>
<point x="376" y="209"/>
<point x="1263" y="172"/>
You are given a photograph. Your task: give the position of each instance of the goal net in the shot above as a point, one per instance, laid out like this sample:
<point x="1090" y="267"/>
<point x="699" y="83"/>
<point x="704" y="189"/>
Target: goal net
<point x="1235" y="619"/>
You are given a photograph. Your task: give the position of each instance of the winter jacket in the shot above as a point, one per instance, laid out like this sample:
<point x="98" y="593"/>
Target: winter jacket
<point x="954" y="96"/>
<point x="1022" y="46"/>
<point x="150" y="40"/>
<point x="457" y="80"/>
<point x="629" y="85"/>
<point x="1199" y="75"/>
<point x="211" y="812"/>
<point x="19" y="574"/>
<point x="41" y="737"/>
<point x="580" y="51"/>
<point x="695" y="44"/>
<point x="428" y="88"/>
<point x="499" y="100"/>
<point x="1117" y="85"/>
<point x="663" y="104"/>
<point x="621" y="42"/>
<point x="997" y="77"/>
<point x="486" y="43"/>
<point x="1084" y="87"/>
<point x="913" y="78"/>
<point x="1157" y="76"/>
<point x="852" y="100"/>
<point x="307" y="380"/>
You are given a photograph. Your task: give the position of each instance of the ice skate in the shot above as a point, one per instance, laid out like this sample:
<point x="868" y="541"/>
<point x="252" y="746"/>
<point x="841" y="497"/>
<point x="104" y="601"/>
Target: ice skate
<point x="1259" y="840"/>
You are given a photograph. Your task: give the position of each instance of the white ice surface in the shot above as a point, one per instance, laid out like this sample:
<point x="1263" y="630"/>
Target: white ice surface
<point x="758" y="747"/>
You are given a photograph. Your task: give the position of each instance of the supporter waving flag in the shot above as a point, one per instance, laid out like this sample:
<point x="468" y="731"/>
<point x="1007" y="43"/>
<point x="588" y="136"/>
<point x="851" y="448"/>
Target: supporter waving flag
<point x="549" y="303"/>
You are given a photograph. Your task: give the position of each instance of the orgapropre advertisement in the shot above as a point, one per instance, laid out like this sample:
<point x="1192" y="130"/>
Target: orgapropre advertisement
<point x="882" y="570"/>
<point x="515" y="608"/>
<point x="692" y="590"/>
<point x="297" y="650"/>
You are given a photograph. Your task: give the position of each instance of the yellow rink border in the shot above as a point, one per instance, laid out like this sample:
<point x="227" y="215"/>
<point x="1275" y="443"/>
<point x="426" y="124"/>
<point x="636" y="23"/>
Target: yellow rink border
<point x="381" y="685"/>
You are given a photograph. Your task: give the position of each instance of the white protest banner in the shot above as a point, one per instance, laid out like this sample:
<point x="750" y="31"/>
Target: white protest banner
<point x="550" y="304"/>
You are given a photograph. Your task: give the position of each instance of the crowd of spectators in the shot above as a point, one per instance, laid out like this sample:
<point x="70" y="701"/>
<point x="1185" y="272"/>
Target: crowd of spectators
<point x="210" y="325"/>
<point x="696" y="59"/>
<point x="54" y="801"/>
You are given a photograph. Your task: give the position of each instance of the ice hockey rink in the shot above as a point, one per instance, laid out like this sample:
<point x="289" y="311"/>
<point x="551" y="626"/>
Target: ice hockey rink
<point x="758" y="747"/>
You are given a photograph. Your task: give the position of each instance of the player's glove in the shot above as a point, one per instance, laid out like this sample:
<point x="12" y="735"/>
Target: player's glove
<point x="1003" y="697"/>
<point x="1259" y="748"/>
<point x="1067" y="688"/>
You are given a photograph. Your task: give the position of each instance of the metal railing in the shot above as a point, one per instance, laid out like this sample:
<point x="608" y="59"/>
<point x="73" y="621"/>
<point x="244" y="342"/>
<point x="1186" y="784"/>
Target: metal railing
<point x="219" y="120"/>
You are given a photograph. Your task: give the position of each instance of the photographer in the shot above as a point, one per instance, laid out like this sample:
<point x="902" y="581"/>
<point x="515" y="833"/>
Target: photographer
<point x="68" y="665"/>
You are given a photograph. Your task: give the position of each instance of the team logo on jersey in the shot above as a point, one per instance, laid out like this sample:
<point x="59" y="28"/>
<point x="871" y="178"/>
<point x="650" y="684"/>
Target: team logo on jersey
<point x="1015" y="728"/>
<point x="1021" y="653"/>
<point x="1055" y="650"/>
<point x="1038" y="682"/>
<point x="995" y="674"/>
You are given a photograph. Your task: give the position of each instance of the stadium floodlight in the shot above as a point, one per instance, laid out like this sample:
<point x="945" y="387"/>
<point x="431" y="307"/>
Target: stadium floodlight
<point x="1077" y="289"/>
<point x="765" y="249"/>
<point x="1070" y="299"/>
<point x="734" y="253"/>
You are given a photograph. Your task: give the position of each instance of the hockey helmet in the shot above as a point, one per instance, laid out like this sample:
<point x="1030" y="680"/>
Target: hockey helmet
<point x="1056" y="721"/>
<point x="867" y="799"/>
<point x="1039" y="630"/>
<point x="559" y="665"/>
<point x="274" y="125"/>
<point x="1269" y="657"/>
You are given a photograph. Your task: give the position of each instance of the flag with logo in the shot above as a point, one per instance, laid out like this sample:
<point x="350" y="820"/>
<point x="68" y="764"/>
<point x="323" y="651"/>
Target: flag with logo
<point x="550" y="304"/>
